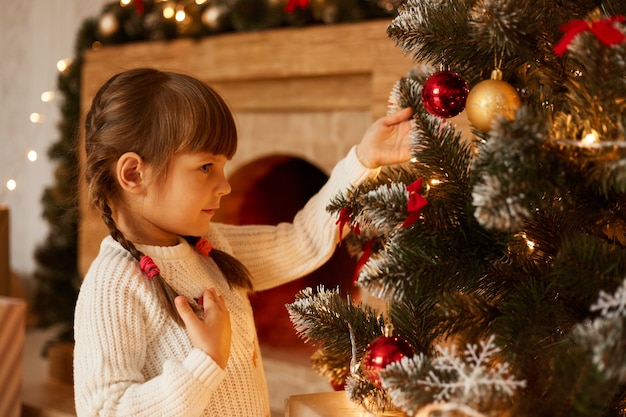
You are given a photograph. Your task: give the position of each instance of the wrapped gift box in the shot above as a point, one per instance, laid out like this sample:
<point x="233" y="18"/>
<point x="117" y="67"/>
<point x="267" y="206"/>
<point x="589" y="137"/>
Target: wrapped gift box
<point x="12" y="331"/>
<point x="329" y="404"/>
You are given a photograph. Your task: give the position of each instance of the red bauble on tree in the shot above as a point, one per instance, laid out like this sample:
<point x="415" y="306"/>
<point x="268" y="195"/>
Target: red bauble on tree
<point x="444" y="94"/>
<point x="383" y="351"/>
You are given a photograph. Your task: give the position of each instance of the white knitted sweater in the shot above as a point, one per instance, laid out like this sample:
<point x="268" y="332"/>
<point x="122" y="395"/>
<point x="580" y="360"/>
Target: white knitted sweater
<point x="132" y="359"/>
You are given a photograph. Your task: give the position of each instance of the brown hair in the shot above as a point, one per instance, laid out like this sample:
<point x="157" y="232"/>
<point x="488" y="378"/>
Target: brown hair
<point x="155" y="114"/>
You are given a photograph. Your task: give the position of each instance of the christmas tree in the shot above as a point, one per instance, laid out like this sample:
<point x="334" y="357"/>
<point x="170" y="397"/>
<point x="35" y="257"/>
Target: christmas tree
<point x="499" y="251"/>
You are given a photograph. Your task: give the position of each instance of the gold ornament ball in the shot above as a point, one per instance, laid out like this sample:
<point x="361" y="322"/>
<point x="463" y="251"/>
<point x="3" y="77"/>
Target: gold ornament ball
<point x="489" y="99"/>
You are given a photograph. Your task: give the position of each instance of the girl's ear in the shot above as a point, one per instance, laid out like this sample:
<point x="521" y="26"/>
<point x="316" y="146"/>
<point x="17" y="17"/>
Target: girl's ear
<point x="131" y="172"/>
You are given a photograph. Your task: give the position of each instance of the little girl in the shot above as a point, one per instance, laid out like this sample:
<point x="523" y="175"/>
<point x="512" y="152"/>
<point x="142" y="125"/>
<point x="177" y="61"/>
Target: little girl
<point x="163" y="323"/>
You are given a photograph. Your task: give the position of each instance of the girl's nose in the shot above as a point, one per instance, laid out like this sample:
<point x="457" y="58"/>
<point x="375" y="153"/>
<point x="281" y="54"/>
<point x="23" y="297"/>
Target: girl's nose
<point x="224" y="187"/>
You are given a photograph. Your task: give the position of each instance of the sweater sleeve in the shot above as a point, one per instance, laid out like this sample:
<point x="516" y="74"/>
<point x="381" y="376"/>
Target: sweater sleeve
<point x="278" y="254"/>
<point x="116" y="314"/>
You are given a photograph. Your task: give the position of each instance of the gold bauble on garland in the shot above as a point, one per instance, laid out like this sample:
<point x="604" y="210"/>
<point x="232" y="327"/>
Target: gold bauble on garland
<point x="490" y="99"/>
<point x="108" y="25"/>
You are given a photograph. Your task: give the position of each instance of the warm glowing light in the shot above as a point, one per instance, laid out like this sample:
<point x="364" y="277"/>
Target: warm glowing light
<point x="180" y="15"/>
<point x="37" y="118"/>
<point x="11" y="184"/>
<point x="591" y="137"/>
<point x="199" y="2"/>
<point x="529" y="243"/>
<point x="63" y="64"/>
<point x="168" y="11"/>
<point x="435" y="182"/>
<point x="47" y="96"/>
<point x="32" y="155"/>
<point x="124" y="3"/>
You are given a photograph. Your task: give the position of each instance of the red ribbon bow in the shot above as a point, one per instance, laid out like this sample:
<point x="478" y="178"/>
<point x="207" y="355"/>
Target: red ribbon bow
<point x="139" y="7"/>
<point x="292" y="5"/>
<point x="343" y="220"/>
<point x="367" y="252"/>
<point x="415" y="204"/>
<point x="603" y="29"/>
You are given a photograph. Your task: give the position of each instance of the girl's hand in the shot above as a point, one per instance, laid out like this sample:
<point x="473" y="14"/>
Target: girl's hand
<point x="212" y="334"/>
<point x="387" y="141"/>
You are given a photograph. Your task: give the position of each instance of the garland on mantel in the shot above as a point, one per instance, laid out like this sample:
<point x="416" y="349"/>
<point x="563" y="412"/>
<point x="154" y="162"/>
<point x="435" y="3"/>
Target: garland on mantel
<point x="139" y="20"/>
<point x="125" y="21"/>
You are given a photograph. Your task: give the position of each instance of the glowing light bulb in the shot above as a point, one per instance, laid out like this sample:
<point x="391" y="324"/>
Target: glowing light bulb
<point x="63" y="64"/>
<point x="591" y="137"/>
<point x="168" y="11"/>
<point x="199" y="2"/>
<point x="32" y="155"/>
<point x="37" y="118"/>
<point x="11" y="184"/>
<point x="47" y="96"/>
<point x="180" y="15"/>
<point x="124" y="3"/>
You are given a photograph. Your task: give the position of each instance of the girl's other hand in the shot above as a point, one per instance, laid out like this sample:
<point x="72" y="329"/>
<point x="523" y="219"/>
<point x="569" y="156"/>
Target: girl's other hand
<point x="387" y="141"/>
<point x="213" y="333"/>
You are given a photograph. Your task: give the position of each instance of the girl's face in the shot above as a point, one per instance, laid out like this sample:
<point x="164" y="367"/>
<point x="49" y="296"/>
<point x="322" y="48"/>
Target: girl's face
<point x="184" y="203"/>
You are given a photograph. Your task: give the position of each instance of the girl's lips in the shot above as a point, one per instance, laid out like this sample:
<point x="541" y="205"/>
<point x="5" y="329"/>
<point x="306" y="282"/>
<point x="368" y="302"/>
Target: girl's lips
<point x="209" y="211"/>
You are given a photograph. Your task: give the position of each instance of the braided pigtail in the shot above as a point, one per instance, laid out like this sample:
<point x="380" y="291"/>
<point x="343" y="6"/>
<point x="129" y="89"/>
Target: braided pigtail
<point x="155" y="114"/>
<point x="165" y="292"/>
<point x="234" y="271"/>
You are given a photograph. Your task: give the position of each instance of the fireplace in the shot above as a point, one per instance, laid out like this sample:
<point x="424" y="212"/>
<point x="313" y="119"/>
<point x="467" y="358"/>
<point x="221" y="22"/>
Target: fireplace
<point x="271" y="190"/>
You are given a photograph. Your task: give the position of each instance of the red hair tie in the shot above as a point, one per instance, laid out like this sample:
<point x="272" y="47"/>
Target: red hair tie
<point x="203" y="246"/>
<point x="148" y="267"/>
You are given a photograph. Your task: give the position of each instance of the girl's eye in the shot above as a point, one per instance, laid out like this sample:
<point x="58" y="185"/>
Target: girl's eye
<point x="206" y="167"/>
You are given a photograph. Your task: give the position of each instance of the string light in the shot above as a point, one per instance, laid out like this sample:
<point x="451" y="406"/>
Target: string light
<point x="180" y="14"/>
<point x="168" y="11"/>
<point x="37" y="118"/>
<point x="47" y="96"/>
<point x="529" y="243"/>
<point x="63" y="64"/>
<point x="591" y="137"/>
<point x="32" y="155"/>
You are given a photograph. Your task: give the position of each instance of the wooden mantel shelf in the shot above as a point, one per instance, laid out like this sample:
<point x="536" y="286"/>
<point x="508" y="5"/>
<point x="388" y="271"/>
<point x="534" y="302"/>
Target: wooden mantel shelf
<point x="235" y="62"/>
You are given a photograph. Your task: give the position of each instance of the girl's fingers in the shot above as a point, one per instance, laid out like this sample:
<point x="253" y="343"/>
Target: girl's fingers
<point x="185" y="311"/>
<point x="399" y="116"/>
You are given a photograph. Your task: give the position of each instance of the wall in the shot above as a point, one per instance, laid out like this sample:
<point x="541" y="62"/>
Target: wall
<point x="35" y="35"/>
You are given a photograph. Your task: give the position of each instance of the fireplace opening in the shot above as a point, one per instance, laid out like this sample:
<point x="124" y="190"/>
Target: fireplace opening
<point x="271" y="190"/>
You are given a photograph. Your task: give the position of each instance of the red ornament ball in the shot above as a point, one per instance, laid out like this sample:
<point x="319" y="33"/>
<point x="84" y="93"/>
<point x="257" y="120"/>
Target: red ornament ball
<point x="381" y="352"/>
<point x="444" y="94"/>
